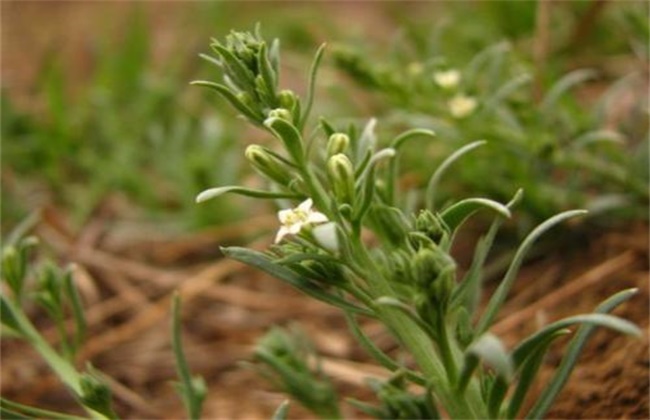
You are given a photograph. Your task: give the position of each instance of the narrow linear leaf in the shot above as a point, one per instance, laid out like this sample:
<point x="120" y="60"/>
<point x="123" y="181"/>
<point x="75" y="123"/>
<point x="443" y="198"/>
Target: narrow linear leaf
<point x="435" y="178"/>
<point x="260" y="261"/>
<point x="311" y="89"/>
<point x="406" y="310"/>
<point x="237" y="70"/>
<point x="282" y="411"/>
<point x="410" y="134"/>
<point x="564" y="85"/>
<point x="228" y="95"/>
<point x="192" y="391"/>
<point x="597" y="136"/>
<point x="501" y="293"/>
<point x="268" y="74"/>
<point x="455" y="215"/>
<point x="545" y="401"/>
<point x="216" y="192"/>
<point x="507" y="89"/>
<point x="290" y="137"/>
<point x="528" y="370"/>
<point x="23" y="411"/>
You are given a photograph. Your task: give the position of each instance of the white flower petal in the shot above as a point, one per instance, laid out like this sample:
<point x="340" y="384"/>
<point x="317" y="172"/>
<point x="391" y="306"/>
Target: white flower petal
<point x="306" y="205"/>
<point x="294" y="228"/>
<point x="282" y="232"/>
<point x="316" y="217"/>
<point x="285" y="215"/>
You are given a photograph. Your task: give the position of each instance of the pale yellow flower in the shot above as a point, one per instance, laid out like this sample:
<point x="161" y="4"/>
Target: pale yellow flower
<point x="460" y="106"/>
<point x="447" y="79"/>
<point x="293" y="220"/>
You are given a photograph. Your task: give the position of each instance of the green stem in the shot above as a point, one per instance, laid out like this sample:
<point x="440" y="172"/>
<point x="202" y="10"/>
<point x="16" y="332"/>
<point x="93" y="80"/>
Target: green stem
<point x="63" y="369"/>
<point x="467" y="406"/>
<point x="445" y="351"/>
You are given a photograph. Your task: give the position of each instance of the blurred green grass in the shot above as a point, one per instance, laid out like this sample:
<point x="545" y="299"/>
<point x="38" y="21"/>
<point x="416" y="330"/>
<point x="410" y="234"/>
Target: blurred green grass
<point x="132" y="129"/>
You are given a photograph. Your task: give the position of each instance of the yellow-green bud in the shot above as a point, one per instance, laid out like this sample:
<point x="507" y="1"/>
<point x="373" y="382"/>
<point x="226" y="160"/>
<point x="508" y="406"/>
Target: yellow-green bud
<point x="247" y="100"/>
<point x="268" y="165"/>
<point x="337" y="143"/>
<point x="433" y="270"/>
<point x="280" y="113"/>
<point x="287" y="99"/>
<point x="341" y="174"/>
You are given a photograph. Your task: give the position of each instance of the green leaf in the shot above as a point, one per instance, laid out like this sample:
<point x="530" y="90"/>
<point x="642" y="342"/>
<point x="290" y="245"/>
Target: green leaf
<point x="78" y="315"/>
<point x="528" y="369"/>
<point x="597" y="136"/>
<point x="435" y="178"/>
<point x="282" y="411"/>
<point x="410" y="134"/>
<point x="259" y="260"/>
<point x="215" y="192"/>
<point x="268" y="74"/>
<point x="456" y="214"/>
<point x="546" y="399"/>
<point x="242" y="76"/>
<point x="192" y="390"/>
<point x="228" y="95"/>
<point x="290" y="137"/>
<point x="312" y="85"/>
<point x="506" y="90"/>
<point x="564" y="85"/>
<point x="501" y="293"/>
<point x="22" y="411"/>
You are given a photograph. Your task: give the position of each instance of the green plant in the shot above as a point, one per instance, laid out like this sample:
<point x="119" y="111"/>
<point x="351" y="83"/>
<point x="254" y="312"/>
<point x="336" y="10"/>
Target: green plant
<point x="403" y="275"/>
<point x="26" y="284"/>
<point x="586" y="155"/>
<point x="123" y="130"/>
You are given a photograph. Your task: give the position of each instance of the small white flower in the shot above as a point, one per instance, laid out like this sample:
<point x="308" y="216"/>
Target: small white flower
<point x="293" y="220"/>
<point x="461" y="106"/>
<point x="447" y="79"/>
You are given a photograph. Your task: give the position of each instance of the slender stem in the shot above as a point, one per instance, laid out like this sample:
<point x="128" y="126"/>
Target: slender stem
<point x="418" y="344"/>
<point x="445" y="350"/>
<point x="63" y="369"/>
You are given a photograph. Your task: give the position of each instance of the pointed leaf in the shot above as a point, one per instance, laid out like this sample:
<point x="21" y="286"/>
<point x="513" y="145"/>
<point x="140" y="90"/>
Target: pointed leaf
<point x="564" y="85"/>
<point x="501" y="293"/>
<point x="312" y="84"/>
<point x="215" y="192"/>
<point x="571" y="355"/>
<point x="290" y="137"/>
<point x="259" y="260"/>
<point x="435" y="178"/>
<point x="456" y="214"/>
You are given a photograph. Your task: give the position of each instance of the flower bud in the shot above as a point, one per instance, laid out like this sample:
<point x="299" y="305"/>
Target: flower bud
<point x="268" y="165"/>
<point x="247" y="100"/>
<point x="341" y="174"/>
<point x="430" y="225"/>
<point x="287" y="99"/>
<point x="433" y="271"/>
<point x="337" y="143"/>
<point x="280" y="113"/>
